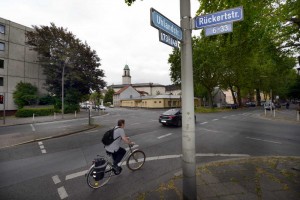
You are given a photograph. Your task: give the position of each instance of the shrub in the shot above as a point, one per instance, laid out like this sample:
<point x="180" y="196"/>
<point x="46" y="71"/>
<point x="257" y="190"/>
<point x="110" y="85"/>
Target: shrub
<point x="28" y="112"/>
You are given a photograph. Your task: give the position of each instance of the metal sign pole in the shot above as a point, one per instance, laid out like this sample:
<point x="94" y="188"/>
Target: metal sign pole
<point x="188" y="120"/>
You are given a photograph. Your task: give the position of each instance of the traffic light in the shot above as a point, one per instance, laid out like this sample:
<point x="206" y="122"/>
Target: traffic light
<point x="1" y="99"/>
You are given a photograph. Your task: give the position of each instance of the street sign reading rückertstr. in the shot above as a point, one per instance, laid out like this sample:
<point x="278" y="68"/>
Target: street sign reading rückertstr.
<point x="217" y="18"/>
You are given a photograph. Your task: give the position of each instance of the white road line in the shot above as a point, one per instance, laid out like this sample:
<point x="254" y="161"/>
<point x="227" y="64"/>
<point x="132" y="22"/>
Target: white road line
<point x="204" y="123"/>
<point x="160" y="137"/>
<point x="44" y="151"/>
<point x="225" y="117"/>
<point x="204" y="129"/>
<point x="82" y="173"/>
<point x="42" y="147"/>
<point x="64" y="126"/>
<point x="75" y="175"/>
<point x="215" y="120"/>
<point x="56" y="179"/>
<point x="32" y="127"/>
<point x="264" y="140"/>
<point x="62" y="192"/>
<point x="40" y="143"/>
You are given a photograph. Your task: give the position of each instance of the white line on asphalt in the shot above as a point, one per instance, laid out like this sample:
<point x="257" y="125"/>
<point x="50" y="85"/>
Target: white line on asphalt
<point x="40" y="143"/>
<point x="64" y="126"/>
<point x="215" y="120"/>
<point x="75" y="175"/>
<point x="204" y="123"/>
<point x="166" y="135"/>
<point x="264" y="140"/>
<point x="78" y="174"/>
<point x="44" y="151"/>
<point x="42" y="147"/>
<point x="32" y="127"/>
<point x="225" y="117"/>
<point x="62" y="192"/>
<point x="55" y="179"/>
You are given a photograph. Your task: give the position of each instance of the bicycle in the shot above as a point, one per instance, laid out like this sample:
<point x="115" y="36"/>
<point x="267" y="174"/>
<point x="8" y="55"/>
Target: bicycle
<point x="97" y="178"/>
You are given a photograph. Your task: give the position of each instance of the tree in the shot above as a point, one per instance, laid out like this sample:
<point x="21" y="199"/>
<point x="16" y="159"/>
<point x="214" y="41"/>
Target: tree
<point x="82" y="73"/>
<point x="109" y="96"/>
<point x="25" y="94"/>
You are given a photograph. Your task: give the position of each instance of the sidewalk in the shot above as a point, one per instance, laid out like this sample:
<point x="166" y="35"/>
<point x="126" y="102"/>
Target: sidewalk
<point x="14" y="139"/>
<point x="248" y="178"/>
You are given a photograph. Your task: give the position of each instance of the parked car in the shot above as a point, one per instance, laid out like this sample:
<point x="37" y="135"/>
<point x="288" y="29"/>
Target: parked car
<point x="250" y="104"/>
<point x="101" y="107"/>
<point x="111" y="106"/>
<point x="232" y="106"/>
<point x="171" y="117"/>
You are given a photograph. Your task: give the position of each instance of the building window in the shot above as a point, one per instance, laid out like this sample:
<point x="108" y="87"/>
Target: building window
<point x="1" y="81"/>
<point x="1" y="64"/>
<point x="2" y="46"/>
<point x="2" y="29"/>
<point x="154" y="101"/>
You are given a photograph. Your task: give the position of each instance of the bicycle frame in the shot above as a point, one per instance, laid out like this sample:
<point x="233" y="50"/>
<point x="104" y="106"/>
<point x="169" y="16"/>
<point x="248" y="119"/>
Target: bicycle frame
<point x="129" y="151"/>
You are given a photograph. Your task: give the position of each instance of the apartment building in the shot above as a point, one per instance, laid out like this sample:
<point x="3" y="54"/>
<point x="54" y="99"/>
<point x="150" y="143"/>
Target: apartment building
<point x="17" y="62"/>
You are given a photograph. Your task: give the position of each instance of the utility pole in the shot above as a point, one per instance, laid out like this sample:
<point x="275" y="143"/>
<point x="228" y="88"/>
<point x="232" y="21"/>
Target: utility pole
<point x="188" y="120"/>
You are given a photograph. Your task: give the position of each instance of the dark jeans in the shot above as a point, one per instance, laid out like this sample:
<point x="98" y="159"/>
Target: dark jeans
<point x="118" y="155"/>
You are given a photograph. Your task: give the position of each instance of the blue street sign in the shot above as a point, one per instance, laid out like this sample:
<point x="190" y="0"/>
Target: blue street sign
<point x="221" y="17"/>
<point x="168" y="39"/>
<point x="164" y="24"/>
<point x="219" y="29"/>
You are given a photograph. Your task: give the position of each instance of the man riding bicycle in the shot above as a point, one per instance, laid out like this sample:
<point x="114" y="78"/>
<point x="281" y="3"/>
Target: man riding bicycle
<point x="114" y="148"/>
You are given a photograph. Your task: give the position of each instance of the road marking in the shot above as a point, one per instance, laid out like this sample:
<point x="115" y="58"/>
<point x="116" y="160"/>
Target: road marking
<point x="56" y="179"/>
<point x="225" y="117"/>
<point x="75" y="175"/>
<point x="64" y="126"/>
<point x="154" y="158"/>
<point x="160" y="137"/>
<point x="264" y="140"/>
<point x="215" y="120"/>
<point x="32" y="127"/>
<point x="42" y="147"/>
<point x="204" y="123"/>
<point x="62" y="192"/>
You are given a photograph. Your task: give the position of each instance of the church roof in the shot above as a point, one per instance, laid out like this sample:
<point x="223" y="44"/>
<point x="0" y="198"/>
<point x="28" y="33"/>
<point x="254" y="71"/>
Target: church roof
<point x="126" y="67"/>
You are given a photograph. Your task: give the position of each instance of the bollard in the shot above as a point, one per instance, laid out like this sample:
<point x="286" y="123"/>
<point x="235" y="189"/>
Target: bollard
<point x="75" y="113"/>
<point x="274" y="113"/>
<point x="54" y="116"/>
<point x="33" y="118"/>
<point x="298" y="113"/>
<point x="265" y="112"/>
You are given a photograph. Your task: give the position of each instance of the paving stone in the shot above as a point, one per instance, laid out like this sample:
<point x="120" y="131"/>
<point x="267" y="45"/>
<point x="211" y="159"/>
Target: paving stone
<point x="208" y="178"/>
<point x="204" y="191"/>
<point x="235" y="188"/>
<point x="220" y="189"/>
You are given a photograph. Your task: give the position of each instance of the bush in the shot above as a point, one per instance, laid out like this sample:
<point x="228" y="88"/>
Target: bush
<point x="28" y="112"/>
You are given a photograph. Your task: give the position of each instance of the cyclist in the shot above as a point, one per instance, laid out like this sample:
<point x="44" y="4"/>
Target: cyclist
<point x="114" y="148"/>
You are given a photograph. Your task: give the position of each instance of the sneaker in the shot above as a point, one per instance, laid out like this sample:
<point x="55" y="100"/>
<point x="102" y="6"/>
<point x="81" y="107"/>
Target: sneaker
<point x="117" y="170"/>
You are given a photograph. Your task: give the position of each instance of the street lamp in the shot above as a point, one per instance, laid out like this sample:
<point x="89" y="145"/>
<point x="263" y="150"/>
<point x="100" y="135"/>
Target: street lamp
<point x="62" y="86"/>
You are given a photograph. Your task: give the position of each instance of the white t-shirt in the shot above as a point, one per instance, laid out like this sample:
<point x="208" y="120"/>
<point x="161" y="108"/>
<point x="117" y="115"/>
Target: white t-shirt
<point x="113" y="147"/>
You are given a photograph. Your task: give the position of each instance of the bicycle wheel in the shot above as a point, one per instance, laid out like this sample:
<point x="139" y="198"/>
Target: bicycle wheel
<point x="95" y="183"/>
<point x="136" y="160"/>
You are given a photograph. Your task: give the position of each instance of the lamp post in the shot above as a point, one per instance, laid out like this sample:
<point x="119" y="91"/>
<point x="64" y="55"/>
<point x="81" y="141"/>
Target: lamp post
<point x="63" y="86"/>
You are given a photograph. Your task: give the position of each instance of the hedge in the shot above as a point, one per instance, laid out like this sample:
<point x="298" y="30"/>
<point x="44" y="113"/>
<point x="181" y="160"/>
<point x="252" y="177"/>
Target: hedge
<point x="28" y="112"/>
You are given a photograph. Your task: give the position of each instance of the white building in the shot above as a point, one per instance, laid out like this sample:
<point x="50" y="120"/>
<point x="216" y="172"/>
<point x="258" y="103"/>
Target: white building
<point x="17" y="62"/>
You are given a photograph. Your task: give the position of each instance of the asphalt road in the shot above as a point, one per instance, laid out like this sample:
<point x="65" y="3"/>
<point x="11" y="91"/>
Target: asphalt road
<point x="27" y="172"/>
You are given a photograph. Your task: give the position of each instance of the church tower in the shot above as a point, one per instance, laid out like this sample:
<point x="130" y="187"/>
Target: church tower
<point x="126" y="78"/>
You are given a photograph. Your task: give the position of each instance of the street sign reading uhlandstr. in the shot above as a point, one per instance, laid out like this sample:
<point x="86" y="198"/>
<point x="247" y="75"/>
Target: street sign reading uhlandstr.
<point x="221" y="17"/>
<point x="164" y="24"/>
<point x="168" y="39"/>
<point x="219" y="29"/>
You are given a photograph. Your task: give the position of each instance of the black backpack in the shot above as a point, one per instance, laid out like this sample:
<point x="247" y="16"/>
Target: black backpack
<point x="108" y="137"/>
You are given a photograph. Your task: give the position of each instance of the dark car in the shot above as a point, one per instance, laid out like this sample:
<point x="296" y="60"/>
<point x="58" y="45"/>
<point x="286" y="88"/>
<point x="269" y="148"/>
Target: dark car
<point x="171" y="117"/>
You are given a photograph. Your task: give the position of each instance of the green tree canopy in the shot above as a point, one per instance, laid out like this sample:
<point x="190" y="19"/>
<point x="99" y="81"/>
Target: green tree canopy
<point x="109" y="96"/>
<point x="55" y="45"/>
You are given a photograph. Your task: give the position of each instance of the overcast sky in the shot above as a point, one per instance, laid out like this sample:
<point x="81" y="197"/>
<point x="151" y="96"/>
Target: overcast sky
<point x="118" y="33"/>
